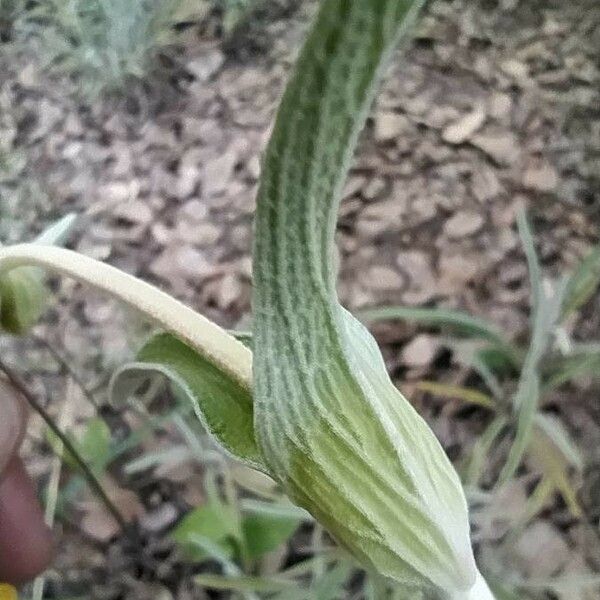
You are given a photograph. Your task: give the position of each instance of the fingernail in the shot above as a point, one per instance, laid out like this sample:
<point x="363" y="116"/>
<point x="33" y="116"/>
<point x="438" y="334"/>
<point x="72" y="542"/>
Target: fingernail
<point x="11" y="423"/>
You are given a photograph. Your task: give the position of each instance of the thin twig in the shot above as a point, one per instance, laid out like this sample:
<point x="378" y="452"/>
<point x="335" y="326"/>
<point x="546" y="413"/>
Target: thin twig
<point x="67" y="368"/>
<point x="53" y="489"/>
<point x="93" y="482"/>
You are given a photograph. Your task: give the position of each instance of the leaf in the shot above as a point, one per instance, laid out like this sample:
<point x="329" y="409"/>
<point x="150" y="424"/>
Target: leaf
<point x="457" y="321"/>
<point x="57" y="233"/>
<point x="481" y="450"/>
<point x="556" y="432"/>
<point x="582" y="284"/>
<point x="264" y="533"/>
<point x="457" y="392"/>
<point x="331" y="585"/>
<point x="276" y="509"/>
<point x="243" y="583"/>
<point x="566" y="368"/>
<point x="170" y="456"/>
<point x="554" y="450"/>
<point x="215" y="521"/>
<point x="526" y="401"/>
<point x="23" y="294"/>
<point x="95" y="444"/>
<point x="334" y="431"/>
<point x="223" y="406"/>
<point x="533" y="263"/>
<point x="503" y="591"/>
<point x="544" y="317"/>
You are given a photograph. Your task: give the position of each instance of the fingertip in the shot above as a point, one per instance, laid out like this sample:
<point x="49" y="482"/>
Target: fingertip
<point x="13" y="417"/>
<point x="25" y="540"/>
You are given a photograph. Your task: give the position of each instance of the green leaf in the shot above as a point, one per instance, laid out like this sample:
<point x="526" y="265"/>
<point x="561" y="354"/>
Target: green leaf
<point x="526" y="403"/>
<point x="23" y="294"/>
<point x="244" y="583"/>
<point x="265" y="533"/>
<point x="455" y="320"/>
<point x="22" y="300"/>
<point x="57" y="233"/>
<point x="95" y="444"/>
<point x="216" y="522"/>
<point x="533" y="263"/>
<point x="545" y="313"/>
<point x="582" y="284"/>
<point x="334" y="431"/>
<point x="457" y="392"/>
<point x="481" y="450"/>
<point x="553" y="429"/>
<point x="331" y="585"/>
<point x="503" y="591"/>
<point x="223" y="406"/>
<point x="564" y="369"/>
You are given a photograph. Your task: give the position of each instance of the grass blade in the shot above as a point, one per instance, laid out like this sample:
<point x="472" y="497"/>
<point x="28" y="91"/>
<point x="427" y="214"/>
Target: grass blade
<point x="582" y="284"/>
<point x="455" y="320"/>
<point x="533" y="263"/>
<point x="481" y="450"/>
<point x="457" y="392"/>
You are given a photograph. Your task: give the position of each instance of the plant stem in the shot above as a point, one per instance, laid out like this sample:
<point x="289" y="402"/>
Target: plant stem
<point x="53" y="488"/>
<point x="67" y="368"/>
<point x="93" y="482"/>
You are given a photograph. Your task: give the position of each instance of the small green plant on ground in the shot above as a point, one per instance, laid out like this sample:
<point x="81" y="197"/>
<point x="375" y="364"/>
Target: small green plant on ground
<point x="105" y="43"/>
<point x="311" y="406"/>
<point x="10" y="12"/>
<point x="551" y="360"/>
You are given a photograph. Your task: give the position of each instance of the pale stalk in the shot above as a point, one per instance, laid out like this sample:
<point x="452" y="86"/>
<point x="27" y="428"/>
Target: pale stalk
<point x="207" y="338"/>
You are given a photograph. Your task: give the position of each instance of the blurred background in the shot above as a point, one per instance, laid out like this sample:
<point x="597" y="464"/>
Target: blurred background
<point x="148" y="119"/>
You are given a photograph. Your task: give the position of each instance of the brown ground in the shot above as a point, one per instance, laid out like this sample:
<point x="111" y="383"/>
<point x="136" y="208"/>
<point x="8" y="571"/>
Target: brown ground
<point x="494" y="105"/>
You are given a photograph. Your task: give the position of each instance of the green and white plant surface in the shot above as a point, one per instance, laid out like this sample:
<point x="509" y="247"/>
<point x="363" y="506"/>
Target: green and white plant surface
<point x="312" y="405"/>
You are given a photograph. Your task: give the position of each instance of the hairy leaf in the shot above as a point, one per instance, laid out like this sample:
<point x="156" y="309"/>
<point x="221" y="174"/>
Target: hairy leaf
<point x="455" y="320"/>
<point x="215" y="521"/>
<point x="221" y="403"/>
<point x="545" y="313"/>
